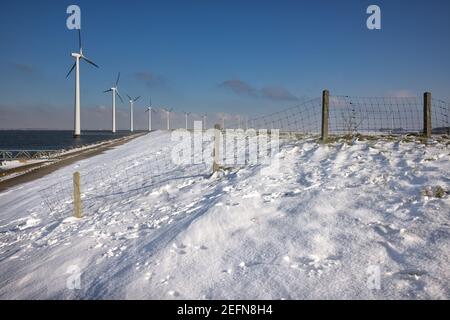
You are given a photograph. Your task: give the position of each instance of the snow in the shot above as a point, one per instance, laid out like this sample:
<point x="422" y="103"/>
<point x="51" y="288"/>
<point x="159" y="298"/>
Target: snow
<point x="18" y="163"/>
<point x="56" y="156"/>
<point x="313" y="227"/>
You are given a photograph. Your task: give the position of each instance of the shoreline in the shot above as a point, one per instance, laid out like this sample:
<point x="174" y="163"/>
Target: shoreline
<point x="35" y="171"/>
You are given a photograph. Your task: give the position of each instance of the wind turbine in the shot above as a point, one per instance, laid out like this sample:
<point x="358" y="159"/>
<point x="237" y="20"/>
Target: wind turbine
<point x="149" y="110"/>
<point x="132" y="101"/>
<point x="204" y="120"/>
<point x="168" y="111"/>
<point x="78" y="56"/>
<point x="239" y="121"/>
<point x="222" y="117"/>
<point x="114" y="91"/>
<point x="186" y="118"/>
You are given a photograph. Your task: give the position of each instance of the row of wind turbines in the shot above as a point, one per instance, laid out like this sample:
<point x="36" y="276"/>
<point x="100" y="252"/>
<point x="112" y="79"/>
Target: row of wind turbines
<point x="78" y="56"/>
<point x="115" y="91"/>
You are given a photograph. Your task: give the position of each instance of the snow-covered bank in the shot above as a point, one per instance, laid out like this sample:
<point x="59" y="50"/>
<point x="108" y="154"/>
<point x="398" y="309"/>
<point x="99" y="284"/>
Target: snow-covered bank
<point x="7" y="165"/>
<point x="311" y="228"/>
<point x="13" y="168"/>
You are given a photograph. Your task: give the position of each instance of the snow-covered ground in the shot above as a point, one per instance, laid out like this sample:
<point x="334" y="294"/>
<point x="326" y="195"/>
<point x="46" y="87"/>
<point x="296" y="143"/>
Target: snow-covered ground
<point x="6" y="165"/>
<point x="55" y="157"/>
<point x="318" y="226"/>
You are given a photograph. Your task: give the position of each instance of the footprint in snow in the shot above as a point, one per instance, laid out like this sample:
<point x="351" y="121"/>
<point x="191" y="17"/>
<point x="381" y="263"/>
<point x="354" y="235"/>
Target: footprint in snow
<point x="179" y="249"/>
<point x="384" y="229"/>
<point x="411" y="274"/>
<point x="165" y="280"/>
<point x="148" y="275"/>
<point x="173" y="293"/>
<point x="202" y="247"/>
<point x="312" y="265"/>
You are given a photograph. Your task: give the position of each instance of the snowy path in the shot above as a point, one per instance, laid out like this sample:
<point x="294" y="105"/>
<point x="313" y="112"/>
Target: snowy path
<point x="308" y="229"/>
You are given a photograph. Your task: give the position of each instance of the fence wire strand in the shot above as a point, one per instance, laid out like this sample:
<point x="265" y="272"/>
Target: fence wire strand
<point x="347" y="115"/>
<point x="350" y="115"/>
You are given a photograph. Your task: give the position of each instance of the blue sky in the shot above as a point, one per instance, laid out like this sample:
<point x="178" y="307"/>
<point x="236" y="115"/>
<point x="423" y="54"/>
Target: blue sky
<point x="247" y="57"/>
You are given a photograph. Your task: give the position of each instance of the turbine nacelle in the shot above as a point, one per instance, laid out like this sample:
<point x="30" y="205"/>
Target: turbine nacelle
<point x="79" y="56"/>
<point x="131" y="100"/>
<point x="115" y="89"/>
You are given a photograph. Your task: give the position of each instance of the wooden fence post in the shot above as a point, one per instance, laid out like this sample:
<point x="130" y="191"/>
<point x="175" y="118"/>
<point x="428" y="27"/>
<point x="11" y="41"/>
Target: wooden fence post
<point x="427" y="114"/>
<point x="77" y="209"/>
<point x="325" y="115"/>
<point x="216" y="155"/>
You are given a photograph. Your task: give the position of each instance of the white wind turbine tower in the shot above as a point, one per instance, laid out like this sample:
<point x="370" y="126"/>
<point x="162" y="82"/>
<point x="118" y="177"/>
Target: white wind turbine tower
<point x="239" y="121"/>
<point x="222" y="117"/>
<point x="168" y="111"/>
<point x="204" y="121"/>
<point x="149" y="110"/>
<point x="186" y="118"/>
<point x="114" y="91"/>
<point x="132" y="101"/>
<point x="78" y="56"/>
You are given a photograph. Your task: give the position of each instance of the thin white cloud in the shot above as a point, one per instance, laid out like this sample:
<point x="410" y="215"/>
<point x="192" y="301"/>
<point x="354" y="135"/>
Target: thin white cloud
<point x="401" y="94"/>
<point x="240" y="87"/>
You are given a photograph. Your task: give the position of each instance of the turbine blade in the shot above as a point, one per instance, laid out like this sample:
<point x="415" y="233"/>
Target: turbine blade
<point x="117" y="81"/>
<point x="109" y="90"/>
<point x="89" y="61"/>
<point x="136" y="99"/>
<point x="129" y="97"/>
<point x="71" y="69"/>
<point x="119" y="96"/>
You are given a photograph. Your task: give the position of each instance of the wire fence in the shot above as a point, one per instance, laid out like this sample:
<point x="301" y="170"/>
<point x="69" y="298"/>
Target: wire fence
<point x="303" y="118"/>
<point x="372" y="115"/>
<point x="375" y="115"/>
<point x="350" y="115"/>
<point x="105" y="186"/>
<point x="347" y="115"/>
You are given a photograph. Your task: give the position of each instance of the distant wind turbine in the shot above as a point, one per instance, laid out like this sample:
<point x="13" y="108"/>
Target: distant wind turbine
<point x="186" y="118"/>
<point x="222" y="117"/>
<point x="204" y="121"/>
<point x="78" y="56"/>
<point x="132" y="101"/>
<point x="168" y="111"/>
<point x="149" y="110"/>
<point x="114" y="91"/>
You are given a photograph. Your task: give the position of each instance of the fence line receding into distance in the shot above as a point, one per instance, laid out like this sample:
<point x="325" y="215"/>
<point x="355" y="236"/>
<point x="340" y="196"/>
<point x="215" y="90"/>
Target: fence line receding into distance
<point x="102" y="186"/>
